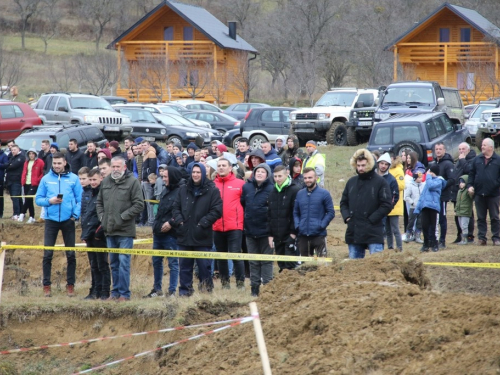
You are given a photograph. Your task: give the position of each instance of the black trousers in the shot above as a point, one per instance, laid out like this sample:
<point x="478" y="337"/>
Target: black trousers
<point x="485" y="205"/>
<point x="52" y="229"/>
<point x="229" y="242"/>
<point x="28" y="202"/>
<point x="99" y="269"/>
<point x="429" y="218"/>
<point x="308" y="245"/>
<point x="286" y="247"/>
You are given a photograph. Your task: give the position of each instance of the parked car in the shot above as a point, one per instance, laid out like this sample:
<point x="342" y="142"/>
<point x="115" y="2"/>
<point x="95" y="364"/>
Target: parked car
<point x="232" y="137"/>
<point x="220" y="121"/>
<point x="265" y="124"/>
<point x="489" y="125"/>
<point x="60" y="108"/>
<point x="115" y="99"/>
<point x="178" y="107"/>
<point x="240" y="110"/>
<point x="168" y="119"/>
<point x="16" y="118"/>
<point x="198" y="105"/>
<point x="474" y="118"/>
<point x="61" y="134"/>
<point x="469" y="108"/>
<point x="419" y="133"/>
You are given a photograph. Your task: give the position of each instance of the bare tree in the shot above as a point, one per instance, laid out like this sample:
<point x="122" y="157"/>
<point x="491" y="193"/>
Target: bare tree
<point x="11" y="68"/>
<point x="101" y="72"/>
<point x="61" y="73"/>
<point x="157" y="76"/>
<point x="195" y="76"/>
<point x="26" y="10"/>
<point x="242" y="78"/>
<point x="50" y="15"/>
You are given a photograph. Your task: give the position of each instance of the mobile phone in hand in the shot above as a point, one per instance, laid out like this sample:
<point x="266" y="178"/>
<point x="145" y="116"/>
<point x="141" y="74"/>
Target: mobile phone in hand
<point x="59" y="196"/>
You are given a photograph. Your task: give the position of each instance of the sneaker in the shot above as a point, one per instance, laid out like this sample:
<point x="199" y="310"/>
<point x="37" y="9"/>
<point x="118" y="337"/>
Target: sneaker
<point x="419" y="240"/>
<point x="92" y="295"/>
<point x="46" y="291"/>
<point x="463" y="242"/>
<point x="104" y="297"/>
<point x="154" y="293"/>
<point x="15" y="217"/>
<point x="458" y="240"/>
<point x="240" y="284"/>
<point x="482" y="242"/>
<point x="442" y="245"/>
<point x="31" y="220"/>
<point x="170" y="293"/>
<point x="70" y="290"/>
<point x="20" y="218"/>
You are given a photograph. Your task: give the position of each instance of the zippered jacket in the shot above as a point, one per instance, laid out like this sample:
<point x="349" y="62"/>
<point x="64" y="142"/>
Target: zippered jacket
<point x="231" y="189"/>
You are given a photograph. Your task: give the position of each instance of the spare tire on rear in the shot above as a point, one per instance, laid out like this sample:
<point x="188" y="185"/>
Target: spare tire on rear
<point x="409" y="146"/>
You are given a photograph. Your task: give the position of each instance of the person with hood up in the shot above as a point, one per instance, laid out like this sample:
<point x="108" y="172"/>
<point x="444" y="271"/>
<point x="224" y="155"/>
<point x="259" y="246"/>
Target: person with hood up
<point x="365" y="201"/>
<point x="255" y="199"/>
<point x="429" y="206"/>
<point x="197" y="207"/>
<point x="30" y="179"/>
<point x="295" y="166"/>
<point x="272" y="158"/>
<point x="463" y="208"/>
<point x="60" y="192"/>
<point x="292" y="150"/>
<point x="191" y="148"/>
<point x="165" y="234"/>
<point x="255" y="158"/>
<point x="316" y="161"/>
<point x="4" y="162"/>
<point x="280" y="146"/>
<point x="114" y="148"/>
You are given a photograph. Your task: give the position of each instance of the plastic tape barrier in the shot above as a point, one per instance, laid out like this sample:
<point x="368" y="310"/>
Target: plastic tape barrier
<point x="472" y="265"/>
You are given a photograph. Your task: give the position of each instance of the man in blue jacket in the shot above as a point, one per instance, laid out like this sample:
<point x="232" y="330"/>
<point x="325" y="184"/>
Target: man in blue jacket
<point x="272" y="158"/>
<point x="60" y="192"/>
<point x="312" y="213"/>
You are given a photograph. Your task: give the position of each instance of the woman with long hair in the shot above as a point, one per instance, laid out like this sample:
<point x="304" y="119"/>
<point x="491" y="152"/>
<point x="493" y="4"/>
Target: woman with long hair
<point x="30" y="179"/>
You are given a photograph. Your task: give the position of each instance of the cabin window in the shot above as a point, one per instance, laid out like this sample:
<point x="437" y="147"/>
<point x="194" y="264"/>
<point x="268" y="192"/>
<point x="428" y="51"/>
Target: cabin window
<point x="188" y="78"/>
<point x="465" y="34"/>
<point x="466" y="81"/>
<point x="444" y="35"/>
<point x="168" y="33"/>
<point x="188" y="33"/>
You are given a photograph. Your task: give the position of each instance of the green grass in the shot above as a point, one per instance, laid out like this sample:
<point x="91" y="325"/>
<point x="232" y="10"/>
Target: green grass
<point x="56" y="47"/>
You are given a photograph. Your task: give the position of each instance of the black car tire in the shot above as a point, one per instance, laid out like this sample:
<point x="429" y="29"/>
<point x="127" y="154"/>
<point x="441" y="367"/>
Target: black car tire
<point x="175" y="138"/>
<point x="352" y="136"/>
<point x="234" y="142"/>
<point x="256" y="140"/>
<point x="409" y="146"/>
<point x="337" y="134"/>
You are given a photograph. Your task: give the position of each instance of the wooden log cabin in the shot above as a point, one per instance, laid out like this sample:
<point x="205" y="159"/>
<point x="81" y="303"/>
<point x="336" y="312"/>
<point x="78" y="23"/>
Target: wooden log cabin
<point x="180" y="51"/>
<point x="454" y="46"/>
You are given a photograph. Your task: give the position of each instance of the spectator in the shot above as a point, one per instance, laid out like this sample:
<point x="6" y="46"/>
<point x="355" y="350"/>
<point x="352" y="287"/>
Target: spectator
<point x="281" y="228"/>
<point x="366" y="200"/>
<point x="295" y="166"/>
<point x="463" y="166"/>
<point x="392" y="223"/>
<point x="118" y="202"/>
<point x="48" y="161"/>
<point x="254" y="200"/>
<point x="60" y="193"/>
<point x="74" y="156"/>
<point x="32" y="174"/>
<point x="103" y="153"/>
<point x="313" y="211"/>
<point x="197" y="157"/>
<point x="293" y="150"/>
<point x="272" y="158"/>
<point x="159" y="183"/>
<point x="114" y="148"/>
<point x="228" y="230"/>
<point x="429" y="206"/>
<point x="161" y="154"/>
<point x="127" y="143"/>
<point x="165" y="234"/>
<point x="45" y="151"/>
<point x="220" y="149"/>
<point x="484" y="184"/>
<point x="315" y="160"/>
<point x="463" y="208"/>
<point x="191" y="148"/>
<point x="90" y="155"/>
<point x="243" y="149"/>
<point x="93" y="235"/>
<point x="149" y="165"/>
<point x="105" y="167"/>
<point x="413" y="189"/>
<point x="280" y="146"/>
<point x="130" y="160"/>
<point x="4" y="162"/>
<point x="13" y="180"/>
<point x="445" y="163"/>
<point x="196" y="209"/>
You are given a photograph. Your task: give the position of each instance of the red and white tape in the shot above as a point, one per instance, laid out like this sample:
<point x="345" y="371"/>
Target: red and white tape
<point x="237" y="320"/>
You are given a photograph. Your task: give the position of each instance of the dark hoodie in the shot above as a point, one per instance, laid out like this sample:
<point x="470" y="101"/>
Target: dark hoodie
<point x="161" y="154"/>
<point x="446" y="170"/>
<point x="260" y="154"/>
<point x="190" y="159"/>
<point x="296" y="177"/>
<point x="167" y="199"/>
<point x="293" y="152"/>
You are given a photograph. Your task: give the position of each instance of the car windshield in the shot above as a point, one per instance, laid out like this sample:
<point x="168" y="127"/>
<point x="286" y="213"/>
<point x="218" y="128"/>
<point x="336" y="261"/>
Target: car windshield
<point x="168" y="109"/>
<point x="336" y="98"/>
<point x="479" y="110"/>
<point x="182" y="120"/>
<point x="89" y="103"/>
<point x="167" y="119"/>
<point x="408" y="95"/>
<point x="32" y="140"/>
<point x="138" y="115"/>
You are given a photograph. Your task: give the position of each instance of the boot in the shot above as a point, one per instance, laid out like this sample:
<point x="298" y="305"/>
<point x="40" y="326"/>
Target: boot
<point x="255" y="290"/>
<point x="418" y="239"/>
<point x="425" y="246"/>
<point x="226" y="284"/>
<point x="435" y="246"/>
<point x="92" y="295"/>
<point x="240" y="284"/>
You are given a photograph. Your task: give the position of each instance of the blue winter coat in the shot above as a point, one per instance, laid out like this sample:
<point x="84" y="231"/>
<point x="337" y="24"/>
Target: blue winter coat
<point x="66" y="183"/>
<point x="273" y="160"/>
<point x="431" y="195"/>
<point x="313" y="211"/>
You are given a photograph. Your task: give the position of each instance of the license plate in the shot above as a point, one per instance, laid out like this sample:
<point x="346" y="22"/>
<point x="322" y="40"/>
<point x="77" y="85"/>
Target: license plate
<point x="112" y="128"/>
<point x="150" y="139"/>
<point x="304" y="130"/>
<point x="364" y="123"/>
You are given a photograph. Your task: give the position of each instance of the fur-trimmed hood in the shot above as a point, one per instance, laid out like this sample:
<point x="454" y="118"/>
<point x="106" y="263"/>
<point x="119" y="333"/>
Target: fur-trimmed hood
<point x="368" y="155"/>
<point x="397" y="162"/>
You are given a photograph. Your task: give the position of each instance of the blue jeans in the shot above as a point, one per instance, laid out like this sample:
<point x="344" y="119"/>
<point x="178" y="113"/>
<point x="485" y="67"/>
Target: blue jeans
<point x="15" y="190"/>
<point x="186" y="272"/>
<point x="120" y="265"/>
<point x="357" y="251"/>
<point x="165" y="243"/>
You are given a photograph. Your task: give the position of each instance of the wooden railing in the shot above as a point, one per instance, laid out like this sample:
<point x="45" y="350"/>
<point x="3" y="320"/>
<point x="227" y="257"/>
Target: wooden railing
<point x="456" y="52"/>
<point x="173" y="50"/>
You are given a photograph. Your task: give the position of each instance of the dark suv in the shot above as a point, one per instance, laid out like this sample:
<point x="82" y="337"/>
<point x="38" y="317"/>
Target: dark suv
<point x="419" y="133"/>
<point x="61" y="134"/>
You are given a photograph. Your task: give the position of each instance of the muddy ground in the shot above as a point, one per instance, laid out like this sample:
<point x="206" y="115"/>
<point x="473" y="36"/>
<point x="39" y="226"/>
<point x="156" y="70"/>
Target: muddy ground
<point x="387" y="314"/>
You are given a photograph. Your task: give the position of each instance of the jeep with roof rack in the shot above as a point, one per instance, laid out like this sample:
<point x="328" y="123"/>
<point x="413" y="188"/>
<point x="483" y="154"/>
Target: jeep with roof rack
<point x="62" y="107"/>
<point x="328" y="118"/>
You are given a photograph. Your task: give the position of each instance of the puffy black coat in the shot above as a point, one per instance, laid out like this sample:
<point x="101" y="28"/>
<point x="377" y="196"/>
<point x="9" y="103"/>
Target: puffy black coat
<point x="254" y="200"/>
<point x="75" y="160"/>
<point x="485" y="178"/>
<point x="90" y="220"/>
<point x="463" y="166"/>
<point x="90" y="159"/>
<point x="15" y="168"/>
<point x="166" y="205"/>
<point x="366" y="200"/>
<point x="447" y="171"/>
<point x="197" y="210"/>
<point x="280" y="211"/>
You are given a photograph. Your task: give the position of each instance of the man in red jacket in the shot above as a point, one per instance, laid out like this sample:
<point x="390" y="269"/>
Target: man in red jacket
<point x="228" y="230"/>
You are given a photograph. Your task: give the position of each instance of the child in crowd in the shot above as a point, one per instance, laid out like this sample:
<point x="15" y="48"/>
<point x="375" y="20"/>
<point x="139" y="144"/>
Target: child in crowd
<point x="296" y="171"/>
<point x="463" y="208"/>
<point x="413" y="189"/>
<point x="153" y="179"/>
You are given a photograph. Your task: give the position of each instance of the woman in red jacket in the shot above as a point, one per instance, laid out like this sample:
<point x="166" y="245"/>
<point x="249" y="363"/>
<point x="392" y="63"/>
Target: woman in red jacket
<point x="30" y="179"/>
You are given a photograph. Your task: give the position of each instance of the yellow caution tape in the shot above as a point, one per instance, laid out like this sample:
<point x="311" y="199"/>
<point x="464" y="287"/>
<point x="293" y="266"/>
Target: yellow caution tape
<point x="473" y="265"/>
<point x="151" y="200"/>
<point x="18" y="196"/>
<point x="139" y="241"/>
<point x="175" y="253"/>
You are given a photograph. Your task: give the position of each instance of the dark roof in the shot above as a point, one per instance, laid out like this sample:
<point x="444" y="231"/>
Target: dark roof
<point x="470" y="16"/>
<point x="202" y="20"/>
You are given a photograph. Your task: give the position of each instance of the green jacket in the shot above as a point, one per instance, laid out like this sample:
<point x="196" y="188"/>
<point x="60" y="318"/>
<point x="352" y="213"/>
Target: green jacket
<point x="464" y="201"/>
<point x="118" y="203"/>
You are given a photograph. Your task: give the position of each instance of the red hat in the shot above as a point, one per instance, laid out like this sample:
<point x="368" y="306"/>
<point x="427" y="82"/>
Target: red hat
<point x="222" y="148"/>
<point x="106" y="152"/>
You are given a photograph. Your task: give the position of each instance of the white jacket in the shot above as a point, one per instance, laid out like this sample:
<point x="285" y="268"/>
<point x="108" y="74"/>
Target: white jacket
<point x="412" y="192"/>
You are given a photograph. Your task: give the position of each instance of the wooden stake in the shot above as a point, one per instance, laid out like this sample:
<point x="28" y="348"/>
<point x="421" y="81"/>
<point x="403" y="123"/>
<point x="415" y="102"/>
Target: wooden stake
<point x="2" y="262"/>
<point x="259" y="334"/>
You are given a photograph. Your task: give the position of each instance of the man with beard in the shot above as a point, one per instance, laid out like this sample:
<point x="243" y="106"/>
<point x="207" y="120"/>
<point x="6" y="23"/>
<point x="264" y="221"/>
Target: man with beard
<point x="118" y="202"/>
<point x="90" y="156"/>
<point x="366" y="200"/>
<point x="74" y="156"/>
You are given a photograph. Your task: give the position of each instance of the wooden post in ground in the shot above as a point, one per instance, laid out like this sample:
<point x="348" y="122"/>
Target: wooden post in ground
<point x="259" y="334"/>
<point x="2" y="262"/>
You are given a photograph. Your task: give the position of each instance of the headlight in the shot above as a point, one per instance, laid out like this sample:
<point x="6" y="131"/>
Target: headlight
<point x="382" y="116"/>
<point x="163" y="131"/>
<point x="292" y="116"/>
<point x="90" y="119"/>
<point x="354" y="115"/>
<point x="189" y="134"/>
<point x="126" y="120"/>
<point x="485" y="116"/>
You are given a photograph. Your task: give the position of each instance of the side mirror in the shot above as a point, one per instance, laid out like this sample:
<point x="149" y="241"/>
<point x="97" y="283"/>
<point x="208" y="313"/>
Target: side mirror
<point x="359" y="104"/>
<point x="440" y="102"/>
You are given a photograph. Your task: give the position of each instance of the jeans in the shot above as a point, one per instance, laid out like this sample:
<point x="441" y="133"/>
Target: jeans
<point x="413" y="222"/>
<point x="443" y="222"/>
<point x="229" y="242"/>
<point x="392" y="228"/>
<point x="260" y="271"/>
<point x="165" y="243"/>
<point x="147" y="191"/>
<point x="28" y="202"/>
<point x="308" y="245"/>
<point x="120" y="265"/>
<point x="52" y="229"/>
<point x="357" y="251"/>
<point x="483" y="206"/>
<point x="15" y="189"/>
<point x="186" y="272"/>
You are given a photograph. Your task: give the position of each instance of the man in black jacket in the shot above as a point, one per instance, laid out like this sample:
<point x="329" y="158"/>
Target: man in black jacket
<point x="196" y="209"/>
<point x="164" y="233"/>
<point x="366" y="200"/>
<point x="90" y="156"/>
<point x="282" y="233"/>
<point x="484" y="183"/>
<point x="447" y="171"/>
<point x="74" y="156"/>
<point x="13" y="181"/>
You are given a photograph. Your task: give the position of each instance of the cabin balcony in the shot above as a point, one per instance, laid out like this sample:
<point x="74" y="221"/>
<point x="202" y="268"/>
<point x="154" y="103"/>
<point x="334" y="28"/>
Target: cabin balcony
<point x="450" y="53"/>
<point x="172" y="51"/>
